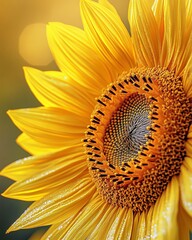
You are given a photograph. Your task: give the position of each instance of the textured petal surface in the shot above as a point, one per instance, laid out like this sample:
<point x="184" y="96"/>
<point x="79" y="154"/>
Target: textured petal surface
<point x="142" y="225"/>
<point x="189" y="146"/>
<point x="185" y="180"/>
<point x="139" y="228"/>
<point x="51" y="126"/>
<point x="122" y="225"/>
<point x="64" y="230"/>
<point x="59" y="175"/>
<point x="186" y="46"/>
<point x="149" y="223"/>
<point x="173" y="32"/>
<point x="88" y="224"/>
<point x="57" y="206"/>
<point x="116" y="223"/>
<point x="59" y="182"/>
<point x="76" y="58"/>
<point x="144" y="33"/>
<point x="135" y="224"/>
<point x="33" y="147"/>
<point x="189" y="136"/>
<point x="185" y="224"/>
<point x="57" y="231"/>
<point x="26" y="167"/>
<point x="87" y="219"/>
<point x="55" y="89"/>
<point x="175" y="36"/>
<point x="164" y="221"/>
<point x="108" y="35"/>
<point x="187" y="78"/>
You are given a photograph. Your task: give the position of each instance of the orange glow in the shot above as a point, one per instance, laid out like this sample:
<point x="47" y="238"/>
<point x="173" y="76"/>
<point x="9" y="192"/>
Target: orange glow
<point x="33" y="46"/>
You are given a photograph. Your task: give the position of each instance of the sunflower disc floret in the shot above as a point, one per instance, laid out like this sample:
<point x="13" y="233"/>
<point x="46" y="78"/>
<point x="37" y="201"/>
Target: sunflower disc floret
<point x="136" y="141"/>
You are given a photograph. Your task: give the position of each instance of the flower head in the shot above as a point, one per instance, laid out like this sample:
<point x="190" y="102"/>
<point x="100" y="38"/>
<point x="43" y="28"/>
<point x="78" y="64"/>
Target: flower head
<point x="129" y="176"/>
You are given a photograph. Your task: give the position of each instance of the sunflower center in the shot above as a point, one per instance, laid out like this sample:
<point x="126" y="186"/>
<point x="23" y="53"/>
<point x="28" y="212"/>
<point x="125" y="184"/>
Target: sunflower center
<point x="136" y="141"/>
<point x="127" y="130"/>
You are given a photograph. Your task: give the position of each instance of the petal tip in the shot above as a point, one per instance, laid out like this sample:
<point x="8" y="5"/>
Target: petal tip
<point x="11" y="229"/>
<point x="11" y="113"/>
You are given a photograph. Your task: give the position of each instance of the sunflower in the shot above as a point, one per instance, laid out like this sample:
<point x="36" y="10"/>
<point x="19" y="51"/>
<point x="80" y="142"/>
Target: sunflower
<point x="120" y="166"/>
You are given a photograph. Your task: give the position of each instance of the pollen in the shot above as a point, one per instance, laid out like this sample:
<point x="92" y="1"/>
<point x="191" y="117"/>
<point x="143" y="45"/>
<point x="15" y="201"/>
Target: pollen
<point x="135" y="143"/>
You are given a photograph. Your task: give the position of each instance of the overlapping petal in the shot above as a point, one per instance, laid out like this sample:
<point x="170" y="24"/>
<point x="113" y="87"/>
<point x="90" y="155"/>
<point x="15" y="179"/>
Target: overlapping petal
<point x="187" y="77"/>
<point x="185" y="224"/>
<point x="58" y="230"/>
<point x="188" y="145"/>
<point x="186" y="47"/>
<point x="121" y="227"/>
<point x="108" y="35"/>
<point x="158" y="11"/>
<point x="173" y="31"/>
<point x="135" y="224"/>
<point x="54" y="127"/>
<point x="116" y="223"/>
<point x="149" y="223"/>
<point x="55" y="89"/>
<point x="60" y="174"/>
<point x="185" y="180"/>
<point x="89" y="217"/>
<point x="144" y="32"/>
<point x="141" y="228"/>
<point x="142" y="225"/>
<point x="58" y="179"/>
<point x="76" y="58"/>
<point x="34" y="147"/>
<point x="89" y="223"/>
<point x="57" y="206"/>
<point x="29" y="166"/>
<point x="164" y="220"/>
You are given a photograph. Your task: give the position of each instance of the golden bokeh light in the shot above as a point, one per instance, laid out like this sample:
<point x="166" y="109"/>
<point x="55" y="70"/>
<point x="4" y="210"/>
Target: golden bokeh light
<point x="33" y="46"/>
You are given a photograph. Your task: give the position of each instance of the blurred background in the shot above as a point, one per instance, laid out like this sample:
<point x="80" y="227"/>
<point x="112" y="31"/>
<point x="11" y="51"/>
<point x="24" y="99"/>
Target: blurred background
<point x="23" y="43"/>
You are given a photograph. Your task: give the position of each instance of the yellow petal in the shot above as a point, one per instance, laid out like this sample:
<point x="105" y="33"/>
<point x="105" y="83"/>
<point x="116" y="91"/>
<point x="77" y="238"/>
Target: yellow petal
<point x="187" y="77"/>
<point x="37" y="234"/>
<point x="189" y="133"/>
<point x="188" y="163"/>
<point x="142" y="225"/>
<point x="57" y="206"/>
<point x="144" y="32"/>
<point x="50" y="126"/>
<point x="33" y="147"/>
<point x="76" y="58"/>
<point x="135" y="225"/>
<point x="78" y="224"/>
<point x="139" y="231"/>
<point x="164" y="220"/>
<point x="88" y="219"/>
<point x="26" y="167"/>
<point x="186" y="46"/>
<point x="149" y="223"/>
<point x="188" y="146"/>
<point x="158" y="10"/>
<point x="57" y="231"/>
<point x="122" y="225"/>
<point x="185" y="180"/>
<point x="174" y="31"/>
<point x="54" y="89"/>
<point x="185" y="224"/>
<point x="51" y="179"/>
<point x="108" y="35"/>
<point x="188" y="13"/>
<point x="115" y="223"/>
